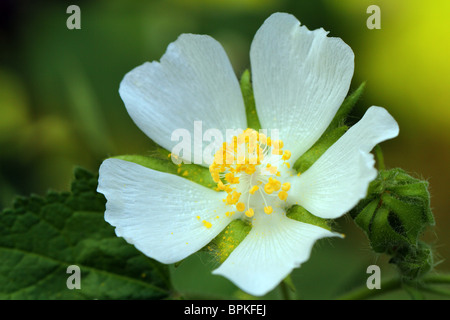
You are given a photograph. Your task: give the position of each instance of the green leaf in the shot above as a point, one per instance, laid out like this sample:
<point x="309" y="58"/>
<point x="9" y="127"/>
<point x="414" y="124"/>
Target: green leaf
<point x="249" y="101"/>
<point x="40" y="237"/>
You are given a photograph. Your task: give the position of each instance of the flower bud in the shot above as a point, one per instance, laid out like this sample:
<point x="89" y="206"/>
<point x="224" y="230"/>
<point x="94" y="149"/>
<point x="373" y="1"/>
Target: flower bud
<point x="393" y="215"/>
<point x="414" y="262"/>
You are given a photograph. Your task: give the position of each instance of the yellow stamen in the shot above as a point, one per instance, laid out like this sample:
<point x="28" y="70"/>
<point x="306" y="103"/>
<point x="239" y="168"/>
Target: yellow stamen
<point x="254" y="189"/>
<point x="286" y="186"/>
<point x="240" y="207"/>
<point x="250" y="213"/>
<point x="282" y="195"/>
<point x="286" y="155"/>
<point x="268" y="188"/>
<point x="268" y="209"/>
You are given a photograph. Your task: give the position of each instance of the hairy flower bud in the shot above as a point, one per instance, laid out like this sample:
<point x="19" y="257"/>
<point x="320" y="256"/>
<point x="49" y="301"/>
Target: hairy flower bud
<point x="393" y="215"/>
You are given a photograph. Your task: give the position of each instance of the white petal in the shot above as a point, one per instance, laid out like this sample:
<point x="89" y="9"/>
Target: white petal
<point x="193" y="82"/>
<point x="157" y="211"/>
<point x="300" y="79"/>
<point x="273" y="248"/>
<point x="340" y="177"/>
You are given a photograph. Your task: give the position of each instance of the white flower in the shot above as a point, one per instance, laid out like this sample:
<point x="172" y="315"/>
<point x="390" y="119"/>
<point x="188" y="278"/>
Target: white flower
<point x="300" y="79"/>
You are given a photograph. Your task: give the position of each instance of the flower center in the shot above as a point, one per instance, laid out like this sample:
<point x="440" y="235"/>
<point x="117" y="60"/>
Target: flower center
<point x="250" y="170"/>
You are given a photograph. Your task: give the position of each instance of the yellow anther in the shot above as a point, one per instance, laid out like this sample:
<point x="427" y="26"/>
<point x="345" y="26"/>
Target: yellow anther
<point x="286" y="186"/>
<point x="286" y="155"/>
<point x="233" y="198"/>
<point x="207" y="224"/>
<point x="276" y="184"/>
<point x="250" y="213"/>
<point x="229" y="177"/>
<point x="250" y="170"/>
<point x="236" y="195"/>
<point x="268" y="188"/>
<point x="240" y="207"/>
<point x="220" y="185"/>
<point x="282" y="195"/>
<point x="229" y="199"/>
<point x="254" y="189"/>
<point x="268" y="209"/>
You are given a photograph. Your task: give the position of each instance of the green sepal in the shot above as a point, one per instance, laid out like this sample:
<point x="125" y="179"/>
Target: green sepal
<point x="386" y="232"/>
<point x="299" y="213"/>
<point x="393" y="216"/>
<point x="249" y="101"/>
<point x="160" y="160"/>
<point x="334" y="131"/>
<point x="346" y="107"/>
<point x="289" y="283"/>
<point x="227" y="240"/>
<point x="315" y="152"/>
<point x="364" y="218"/>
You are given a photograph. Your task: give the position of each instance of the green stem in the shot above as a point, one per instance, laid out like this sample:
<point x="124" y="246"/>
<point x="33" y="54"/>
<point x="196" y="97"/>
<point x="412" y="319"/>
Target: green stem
<point x="284" y="289"/>
<point x="396" y="284"/>
<point x="380" y="157"/>
<point x="438" y="291"/>
<point x="365" y="293"/>
<point x="437" y="279"/>
<point x="287" y="288"/>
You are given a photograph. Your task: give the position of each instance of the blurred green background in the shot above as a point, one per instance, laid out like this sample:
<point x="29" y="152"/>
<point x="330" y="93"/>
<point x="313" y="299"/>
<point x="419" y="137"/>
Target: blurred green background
<point x="60" y="105"/>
